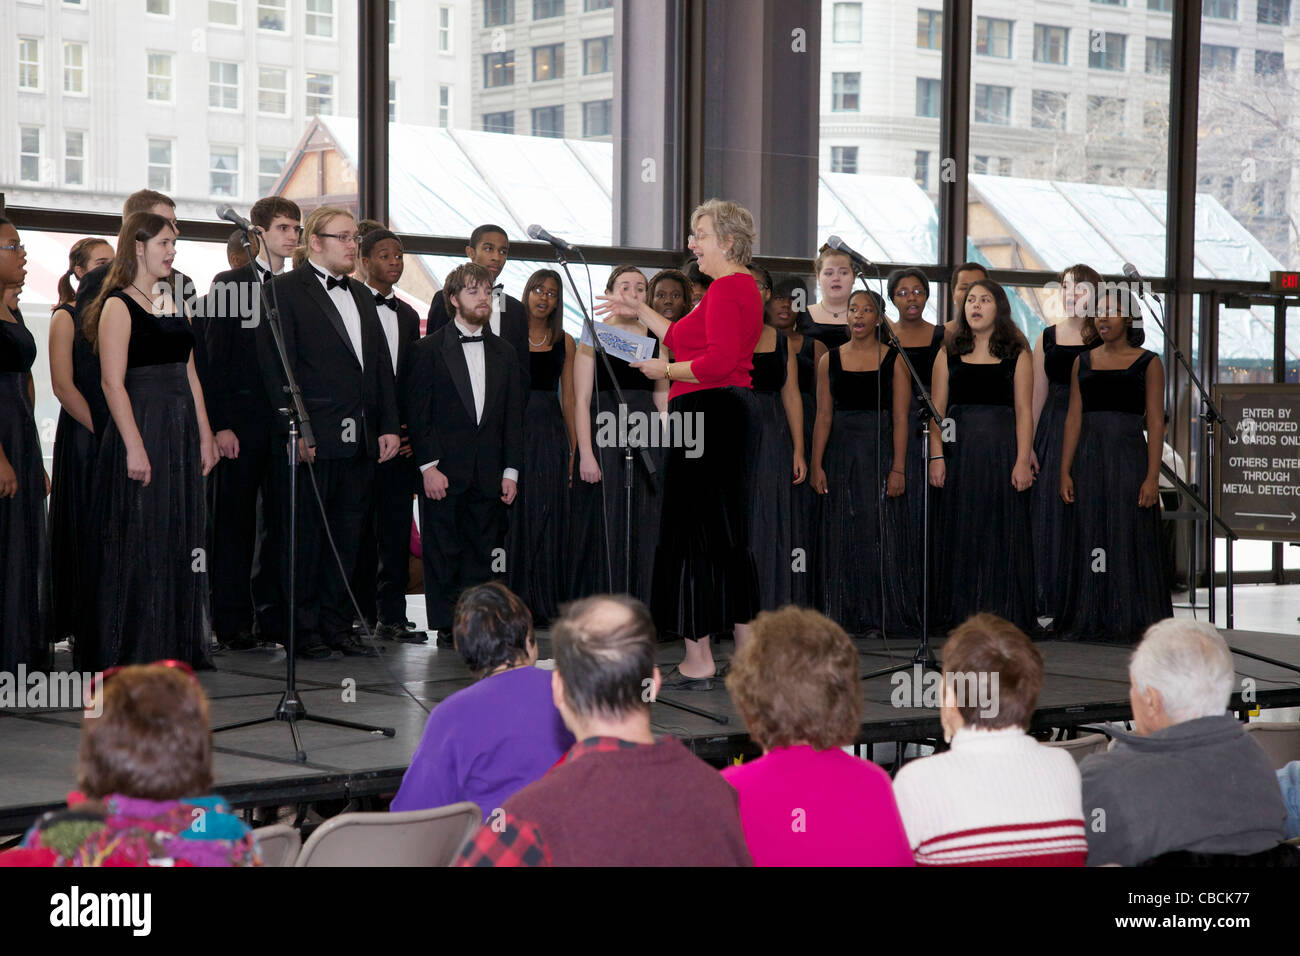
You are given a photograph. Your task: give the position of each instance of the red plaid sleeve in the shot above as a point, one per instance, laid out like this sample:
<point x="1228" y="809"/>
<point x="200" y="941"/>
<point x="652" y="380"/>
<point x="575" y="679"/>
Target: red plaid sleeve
<point x="506" y="842"/>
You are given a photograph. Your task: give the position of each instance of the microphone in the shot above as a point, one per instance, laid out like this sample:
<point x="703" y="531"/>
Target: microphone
<point x="1131" y="272"/>
<point x="227" y="212"/>
<point x="541" y="235"/>
<point x="858" y="259"/>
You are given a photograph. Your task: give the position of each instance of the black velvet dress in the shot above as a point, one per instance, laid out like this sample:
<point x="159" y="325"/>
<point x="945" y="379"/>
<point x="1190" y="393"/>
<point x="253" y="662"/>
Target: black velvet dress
<point x="770" y="481"/>
<point x="151" y="595"/>
<point x="598" y="523"/>
<point x="983" y="551"/>
<point x="805" y="503"/>
<point x="1114" y="583"/>
<point x="25" y="632"/>
<point x="864" y="534"/>
<point x="539" y="517"/>
<point x="71" y="489"/>
<point x="1047" y="509"/>
<point x="830" y="334"/>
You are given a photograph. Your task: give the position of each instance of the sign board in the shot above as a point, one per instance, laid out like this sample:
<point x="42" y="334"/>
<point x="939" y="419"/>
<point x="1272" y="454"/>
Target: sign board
<point x="1259" y="461"/>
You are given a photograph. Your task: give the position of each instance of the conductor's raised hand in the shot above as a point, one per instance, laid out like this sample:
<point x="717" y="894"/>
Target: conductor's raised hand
<point x="654" y="369"/>
<point x="613" y="306"/>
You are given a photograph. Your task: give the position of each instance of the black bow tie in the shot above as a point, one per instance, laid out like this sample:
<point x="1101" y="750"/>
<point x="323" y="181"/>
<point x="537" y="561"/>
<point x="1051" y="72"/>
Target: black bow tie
<point x="471" y="338"/>
<point x="333" y="283"/>
<point x="498" y="287"/>
<point x="391" y="301"/>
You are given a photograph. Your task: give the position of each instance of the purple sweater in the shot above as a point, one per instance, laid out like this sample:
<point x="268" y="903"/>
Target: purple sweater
<point x="485" y="743"/>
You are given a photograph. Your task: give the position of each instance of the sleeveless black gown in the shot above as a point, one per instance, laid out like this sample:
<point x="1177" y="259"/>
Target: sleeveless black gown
<point x="864" y="530"/>
<point x="917" y="473"/>
<point x="25" y="632"/>
<point x="539" y="517"/>
<point x="830" y="334"/>
<point x="598" y="510"/>
<point x="983" y="551"/>
<point x="1047" y="511"/>
<point x="1117" y="604"/>
<point x="151" y="595"/>
<point x="71" y="491"/>
<point x="770" y="481"/>
<point x="805" y="504"/>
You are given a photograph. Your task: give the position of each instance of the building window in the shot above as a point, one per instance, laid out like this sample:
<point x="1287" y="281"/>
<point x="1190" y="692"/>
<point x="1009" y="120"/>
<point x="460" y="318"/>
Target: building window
<point x="921" y="169"/>
<point x="1215" y="58"/>
<point x="992" y="104"/>
<point x="548" y="62"/>
<point x="74" y="68"/>
<point x="598" y="118"/>
<point x="545" y="9"/>
<point x="159" y="8"/>
<point x="1106" y="115"/>
<point x="74" y="157"/>
<point x="270" y="164"/>
<point x="549" y="121"/>
<point x="273" y="90"/>
<point x="1106" y="50"/>
<point x="1161" y="6"/>
<point x="29" y="63"/>
<point x="223" y="171"/>
<point x="1051" y="44"/>
<point x="224" y="13"/>
<point x="1269" y="62"/>
<point x="392" y="22"/>
<point x="844" y="92"/>
<point x="991" y="165"/>
<point x="498" y="69"/>
<point x="272" y="15"/>
<point x="158" y="77"/>
<point x="320" y="18"/>
<point x="444" y="29"/>
<point x="929" y="29"/>
<point x="223" y="86"/>
<point x="927" y="97"/>
<point x="29" y="153"/>
<point x="499" y="123"/>
<point x="844" y="159"/>
<point x="1160" y="55"/>
<point x="847" y="20"/>
<point x="992" y="37"/>
<point x="589" y="5"/>
<point x="1048" y="109"/>
<point x="444" y="107"/>
<point x="160" y="165"/>
<point x="1274" y="13"/>
<point x="596" y="54"/>
<point x="1219" y="9"/>
<point x="498" y="13"/>
<point x="392" y="101"/>
<point x="320" y="94"/>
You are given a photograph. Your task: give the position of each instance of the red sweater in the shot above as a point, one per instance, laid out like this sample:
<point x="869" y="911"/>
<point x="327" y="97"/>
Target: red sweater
<point x="719" y="335"/>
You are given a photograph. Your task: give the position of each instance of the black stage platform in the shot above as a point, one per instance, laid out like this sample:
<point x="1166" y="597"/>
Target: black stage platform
<point x="255" y="766"/>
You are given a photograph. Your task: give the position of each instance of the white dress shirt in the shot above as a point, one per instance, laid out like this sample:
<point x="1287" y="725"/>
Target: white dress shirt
<point x="341" y="296"/>
<point x="498" y="300"/>
<point x="387" y="319"/>
<point x="476" y="361"/>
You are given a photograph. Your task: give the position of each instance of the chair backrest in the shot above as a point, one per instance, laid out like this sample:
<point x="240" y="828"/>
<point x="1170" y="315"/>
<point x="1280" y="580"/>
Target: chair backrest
<point x="278" y="844"/>
<point x="412" y="838"/>
<point x="1280" y="740"/>
<point x="1080" y="747"/>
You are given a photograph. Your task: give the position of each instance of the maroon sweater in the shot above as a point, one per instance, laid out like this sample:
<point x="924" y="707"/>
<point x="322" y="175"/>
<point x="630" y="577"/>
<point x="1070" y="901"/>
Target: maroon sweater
<point x="641" y="806"/>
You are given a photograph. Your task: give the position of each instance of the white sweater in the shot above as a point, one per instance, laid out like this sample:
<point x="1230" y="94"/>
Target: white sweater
<point x="997" y="798"/>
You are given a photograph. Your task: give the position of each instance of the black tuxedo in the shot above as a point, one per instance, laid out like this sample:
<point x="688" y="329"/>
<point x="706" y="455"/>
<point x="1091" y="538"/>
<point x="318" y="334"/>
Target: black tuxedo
<point x="514" y="329"/>
<point x="351" y="403"/>
<point x="247" y="388"/>
<point x="461" y="534"/>
<point x="382" y="571"/>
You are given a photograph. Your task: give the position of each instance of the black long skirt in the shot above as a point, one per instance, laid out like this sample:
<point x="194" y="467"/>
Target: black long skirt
<point x="770" y="501"/>
<point x="151" y="595"/>
<point x="599" y="530"/>
<point x="71" y="492"/>
<point x="805" y="511"/>
<point x="25" y="568"/>
<point x="1114" y="581"/>
<point x="983" y="551"/>
<point x="539" y="517"/>
<point x="705" y="579"/>
<point x="1047" y="511"/>
<point x="865" y="532"/>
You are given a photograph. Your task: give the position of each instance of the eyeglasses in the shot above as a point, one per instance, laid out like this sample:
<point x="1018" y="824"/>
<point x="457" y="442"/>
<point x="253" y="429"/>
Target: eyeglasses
<point x="909" y="293"/>
<point x="698" y="236"/>
<point x="15" y="247"/>
<point x="546" y="294"/>
<point x="102" y="678"/>
<point x="347" y="238"/>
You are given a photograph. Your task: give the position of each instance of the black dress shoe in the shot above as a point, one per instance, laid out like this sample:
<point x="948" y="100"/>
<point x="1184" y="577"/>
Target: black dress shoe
<point x="243" y="641"/>
<point x="354" y="648"/>
<point x="314" y="652"/>
<point x="405" y="632"/>
<point x="445" y="639"/>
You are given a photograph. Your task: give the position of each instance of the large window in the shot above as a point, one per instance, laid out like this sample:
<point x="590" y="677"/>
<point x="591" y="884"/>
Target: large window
<point x="444" y="28"/>
<point x="1219" y="9"/>
<point x="598" y="118"/>
<point x="74" y="157"/>
<point x="499" y="122"/>
<point x="845" y="88"/>
<point x="223" y="175"/>
<point x="929" y="29"/>
<point x="1106" y="50"/>
<point x="847" y="25"/>
<point x="1275" y="13"/>
<point x="320" y="18"/>
<point x="1269" y="62"/>
<point x="1051" y="44"/>
<point x="29" y="154"/>
<point x="223" y="85"/>
<point x="921" y="169"/>
<point x="499" y="69"/>
<point x="844" y="159"/>
<point x="498" y="13"/>
<point x="545" y="9"/>
<point x="74" y="68"/>
<point x="160" y="165"/>
<point x="1160" y="55"/>
<point x="272" y="15"/>
<point x="1047" y="109"/>
<point x="549" y="121"/>
<point x="158" y="77"/>
<point x="273" y="90"/>
<point x="927" y="97"/>
<point x="548" y="62"/>
<point x="270" y="164"/>
<point x="444" y="106"/>
<point x="223" y="12"/>
<point x="29" y="63"/>
<point x="596" y="55"/>
<point x="992" y="104"/>
<point x="993" y="37"/>
<point x="159" y="8"/>
<point x="1217" y="59"/>
<point x="320" y="94"/>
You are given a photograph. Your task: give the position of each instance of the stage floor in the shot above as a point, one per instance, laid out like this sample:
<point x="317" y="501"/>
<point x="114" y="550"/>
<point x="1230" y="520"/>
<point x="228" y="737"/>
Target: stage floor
<point x="255" y="766"/>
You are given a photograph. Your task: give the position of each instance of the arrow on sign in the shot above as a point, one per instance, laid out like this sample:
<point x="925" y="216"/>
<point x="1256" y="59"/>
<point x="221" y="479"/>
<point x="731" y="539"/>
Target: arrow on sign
<point x="1251" y="514"/>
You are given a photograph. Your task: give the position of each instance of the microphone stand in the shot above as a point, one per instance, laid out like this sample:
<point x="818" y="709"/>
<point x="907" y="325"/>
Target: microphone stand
<point x="291" y="708"/>
<point x="1211" y="419"/>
